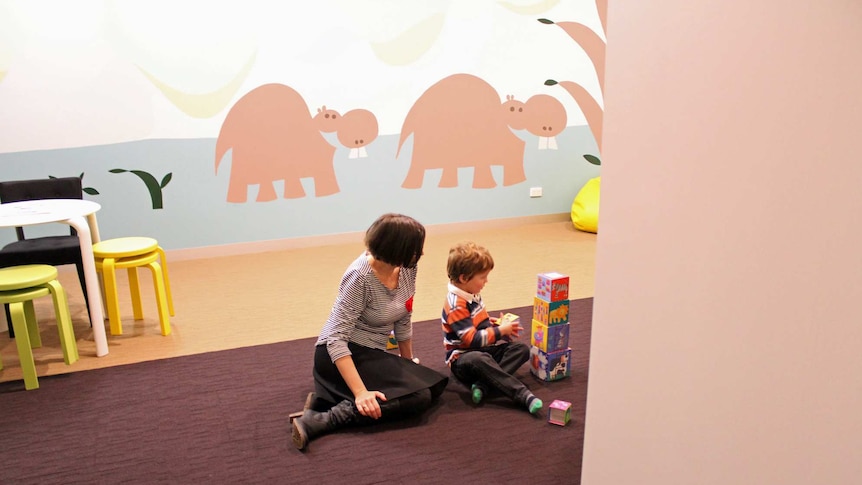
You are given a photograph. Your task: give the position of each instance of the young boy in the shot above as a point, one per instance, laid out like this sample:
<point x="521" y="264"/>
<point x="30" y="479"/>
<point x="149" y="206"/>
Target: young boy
<point x="480" y="353"/>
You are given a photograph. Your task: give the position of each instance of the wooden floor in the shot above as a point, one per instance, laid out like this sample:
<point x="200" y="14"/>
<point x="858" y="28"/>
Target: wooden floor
<point x="242" y="300"/>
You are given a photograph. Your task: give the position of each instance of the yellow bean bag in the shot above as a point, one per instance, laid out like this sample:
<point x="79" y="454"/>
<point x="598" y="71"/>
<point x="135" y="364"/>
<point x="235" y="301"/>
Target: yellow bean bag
<point x="585" y="207"/>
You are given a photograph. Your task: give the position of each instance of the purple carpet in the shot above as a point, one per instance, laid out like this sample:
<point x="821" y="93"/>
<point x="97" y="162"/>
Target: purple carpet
<point x="222" y="417"/>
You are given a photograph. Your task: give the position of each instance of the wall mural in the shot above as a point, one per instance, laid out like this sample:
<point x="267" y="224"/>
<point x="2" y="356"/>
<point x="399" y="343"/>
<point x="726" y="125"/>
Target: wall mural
<point x="585" y="206"/>
<point x="250" y="112"/>
<point x="273" y="137"/>
<point x="154" y="187"/>
<point x="594" y="46"/>
<point x="461" y="122"/>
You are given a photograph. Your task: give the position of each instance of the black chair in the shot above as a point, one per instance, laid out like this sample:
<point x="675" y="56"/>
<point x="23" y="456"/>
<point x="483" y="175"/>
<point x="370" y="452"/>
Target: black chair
<point x="53" y="250"/>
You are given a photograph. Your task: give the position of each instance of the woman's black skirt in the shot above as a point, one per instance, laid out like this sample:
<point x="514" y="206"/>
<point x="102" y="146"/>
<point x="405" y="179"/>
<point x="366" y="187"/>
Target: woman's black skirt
<point x="380" y="371"/>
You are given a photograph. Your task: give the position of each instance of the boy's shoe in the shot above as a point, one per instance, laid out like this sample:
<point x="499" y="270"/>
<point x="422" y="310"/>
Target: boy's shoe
<point x="534" y="404"/>
<point x="477" y="393"/>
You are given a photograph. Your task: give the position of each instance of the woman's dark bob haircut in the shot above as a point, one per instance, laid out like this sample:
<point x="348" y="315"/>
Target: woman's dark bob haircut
<point x="396" y="239"/>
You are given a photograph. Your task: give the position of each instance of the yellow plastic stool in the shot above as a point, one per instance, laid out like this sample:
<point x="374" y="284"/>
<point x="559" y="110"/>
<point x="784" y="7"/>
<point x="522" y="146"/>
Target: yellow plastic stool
<point x="19" y="286"/>
<point x="132" y="253"/>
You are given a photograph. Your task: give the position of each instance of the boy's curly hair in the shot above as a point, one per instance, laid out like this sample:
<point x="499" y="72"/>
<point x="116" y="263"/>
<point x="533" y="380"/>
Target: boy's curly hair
<point x="467" y="259"/>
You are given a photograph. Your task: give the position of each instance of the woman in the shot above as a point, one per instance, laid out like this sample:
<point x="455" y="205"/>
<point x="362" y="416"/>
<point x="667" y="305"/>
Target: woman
<point x="357" y="382"/>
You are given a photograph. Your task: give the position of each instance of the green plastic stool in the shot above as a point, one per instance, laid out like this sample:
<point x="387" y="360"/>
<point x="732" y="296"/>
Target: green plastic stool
<point x="19" y="286"/>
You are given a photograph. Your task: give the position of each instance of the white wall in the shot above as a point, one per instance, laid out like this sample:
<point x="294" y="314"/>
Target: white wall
<point x="727" y="333"/>
<point x="124" y="92"/>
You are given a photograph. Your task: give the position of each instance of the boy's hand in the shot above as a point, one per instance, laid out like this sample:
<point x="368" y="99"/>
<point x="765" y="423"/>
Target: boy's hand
<point x="503" y="318"/>
<point x="511" y="328"/>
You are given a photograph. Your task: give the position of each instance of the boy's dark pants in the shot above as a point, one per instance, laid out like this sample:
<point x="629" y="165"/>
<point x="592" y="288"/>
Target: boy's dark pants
<point x="494" y="368"/>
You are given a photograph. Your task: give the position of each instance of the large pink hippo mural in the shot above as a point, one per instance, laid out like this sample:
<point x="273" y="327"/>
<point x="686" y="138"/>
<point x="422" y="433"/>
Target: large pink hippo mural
<point x="460" y="122"/>
<point x="273" y="137"/>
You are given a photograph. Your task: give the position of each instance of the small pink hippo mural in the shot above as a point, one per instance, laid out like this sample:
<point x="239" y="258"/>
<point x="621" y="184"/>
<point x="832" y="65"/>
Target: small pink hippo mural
<point x="326" y="120"/>
<point x="273" y="137"/>
<point x="545" y="118"/>
<point x="357" y="129"/>
<point x="515" y="109"/>
<point x="460" y="122"/>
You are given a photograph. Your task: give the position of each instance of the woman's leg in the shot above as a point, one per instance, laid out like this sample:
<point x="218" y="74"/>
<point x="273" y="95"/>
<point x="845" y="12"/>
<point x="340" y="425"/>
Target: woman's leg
<point x="405" y="406"/>
<point x="313" y="424"/>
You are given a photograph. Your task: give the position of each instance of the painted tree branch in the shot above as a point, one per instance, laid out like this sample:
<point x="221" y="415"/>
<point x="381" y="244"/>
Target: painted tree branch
<point x="595" y="48"/>
<point x="153" y="187"/>
<point x="602" y="9"/>
<point x="592" y="44"/>
<point x="591" y="109"/>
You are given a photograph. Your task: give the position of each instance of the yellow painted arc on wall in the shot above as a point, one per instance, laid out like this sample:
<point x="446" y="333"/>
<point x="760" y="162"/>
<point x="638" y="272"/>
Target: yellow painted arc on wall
<point x="2" y="75"/>
<point x="207" y="104"/>
<point x="411" y="44"/>
<point x="530" y="9"/>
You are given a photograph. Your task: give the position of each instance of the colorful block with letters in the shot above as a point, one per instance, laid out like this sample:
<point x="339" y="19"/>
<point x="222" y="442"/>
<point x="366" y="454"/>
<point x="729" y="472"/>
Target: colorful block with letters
<point x="560" y="412"/>
<point x="391" y="343"/>
<point x="508" y="318"/>
<point x="549" y="338"/>
<point x="550" y="366"/>
<point x="552" y="287"/>
<point x="551" y="312"/>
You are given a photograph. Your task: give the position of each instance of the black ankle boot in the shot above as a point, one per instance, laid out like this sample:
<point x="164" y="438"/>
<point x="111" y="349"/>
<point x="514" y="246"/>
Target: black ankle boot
<point x="309" y="401"/>
<point x="309" y="404"/>
<point x="313" y="424"/>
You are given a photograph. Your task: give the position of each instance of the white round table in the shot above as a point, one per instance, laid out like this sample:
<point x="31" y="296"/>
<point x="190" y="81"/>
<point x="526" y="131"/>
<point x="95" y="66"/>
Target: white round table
<point x="80" y="214"/>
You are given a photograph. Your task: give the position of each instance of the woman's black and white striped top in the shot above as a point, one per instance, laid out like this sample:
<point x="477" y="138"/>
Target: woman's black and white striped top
<point x="365" y="311"/>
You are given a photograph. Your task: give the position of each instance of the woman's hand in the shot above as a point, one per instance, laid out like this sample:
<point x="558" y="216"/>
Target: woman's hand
<point x="365" y="400"/>
<point x="366" y="403"/>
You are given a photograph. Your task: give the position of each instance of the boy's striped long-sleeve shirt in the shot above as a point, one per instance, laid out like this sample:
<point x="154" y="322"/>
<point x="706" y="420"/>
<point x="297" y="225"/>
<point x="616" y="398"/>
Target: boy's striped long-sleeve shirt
<point x="466" y="324"/>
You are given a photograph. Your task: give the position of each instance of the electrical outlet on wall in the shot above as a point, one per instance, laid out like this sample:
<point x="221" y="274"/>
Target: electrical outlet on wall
<point x="535" y="191"/>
